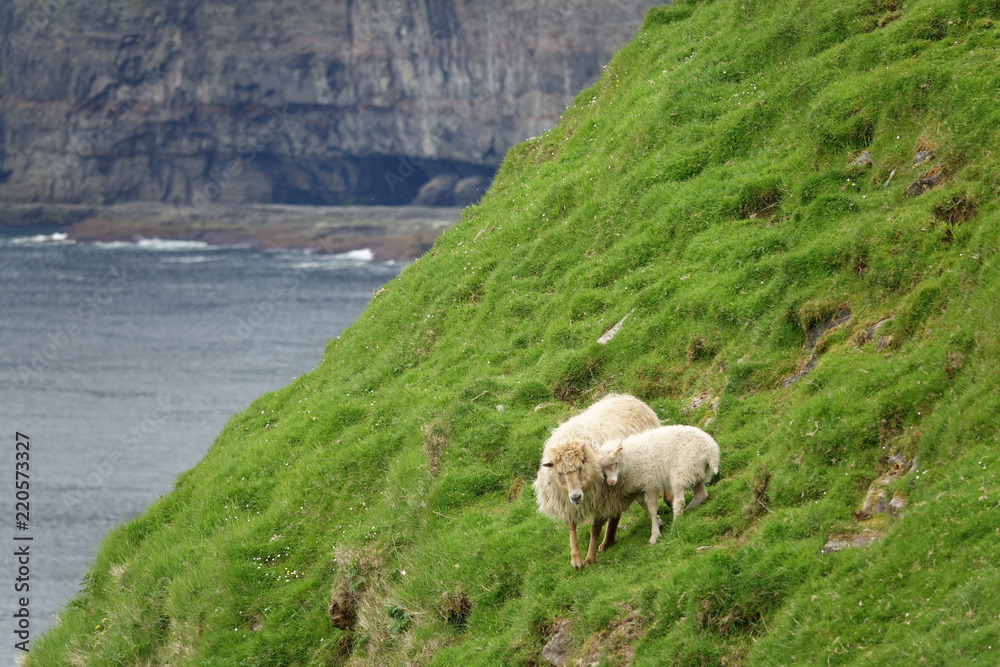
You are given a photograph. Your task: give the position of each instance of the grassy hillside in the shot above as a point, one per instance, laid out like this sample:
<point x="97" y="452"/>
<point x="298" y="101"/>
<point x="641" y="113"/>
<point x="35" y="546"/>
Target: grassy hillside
<point x="702" y="188"/>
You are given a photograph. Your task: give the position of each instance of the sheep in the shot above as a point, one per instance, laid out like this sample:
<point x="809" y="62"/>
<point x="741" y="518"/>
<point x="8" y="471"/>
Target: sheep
<point x="668" y="458"/>
<point x="569" y="486"/>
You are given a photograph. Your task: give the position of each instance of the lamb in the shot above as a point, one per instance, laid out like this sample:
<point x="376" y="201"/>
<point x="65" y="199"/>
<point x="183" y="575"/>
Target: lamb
<point x="668" y="458"/>
<point x="569" y="486"/>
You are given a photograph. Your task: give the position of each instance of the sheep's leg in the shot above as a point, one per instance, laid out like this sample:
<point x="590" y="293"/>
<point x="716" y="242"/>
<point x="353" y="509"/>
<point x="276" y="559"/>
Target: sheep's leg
<point x="700" y="495"/>
<point x="609" y="533"/>
<point x="641" y="500"/>
<point x="678" y="503"/>
<point x="652" y="499"/>
<point x="595" y="534"/>
<point x="574" y="549"/>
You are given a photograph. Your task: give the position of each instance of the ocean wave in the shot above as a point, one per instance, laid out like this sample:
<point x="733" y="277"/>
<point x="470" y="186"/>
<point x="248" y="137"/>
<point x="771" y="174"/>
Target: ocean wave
<point x="339" y="260"/>
<point x="192" y="259"/>
<point x="112" y="245"/>
<point x="360" y="255"/>
<point x="38" y="239"/>
<point x="164" y="245"/>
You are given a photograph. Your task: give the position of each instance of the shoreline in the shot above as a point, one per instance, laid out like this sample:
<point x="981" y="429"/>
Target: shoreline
<point x="399" y="233"/>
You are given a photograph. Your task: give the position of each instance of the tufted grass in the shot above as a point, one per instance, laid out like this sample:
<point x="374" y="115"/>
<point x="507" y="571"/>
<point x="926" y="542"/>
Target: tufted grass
<point x="702" y="187"/>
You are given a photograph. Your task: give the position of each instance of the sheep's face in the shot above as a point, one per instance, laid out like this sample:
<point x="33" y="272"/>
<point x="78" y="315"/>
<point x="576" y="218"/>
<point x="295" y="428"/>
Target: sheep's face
<point x="570" y="466"/>
<point x="609" y="457"/>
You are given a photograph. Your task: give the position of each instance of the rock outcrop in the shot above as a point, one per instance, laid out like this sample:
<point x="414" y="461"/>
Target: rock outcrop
<point x="314" y="102"/>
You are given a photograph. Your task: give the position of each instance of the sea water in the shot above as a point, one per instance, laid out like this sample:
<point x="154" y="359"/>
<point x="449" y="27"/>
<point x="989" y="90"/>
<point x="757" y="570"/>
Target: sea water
<point x="122" y="362"/>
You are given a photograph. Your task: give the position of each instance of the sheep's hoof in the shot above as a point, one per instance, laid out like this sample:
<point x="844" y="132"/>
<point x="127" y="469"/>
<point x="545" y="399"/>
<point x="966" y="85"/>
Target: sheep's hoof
<point x="604" y="546"/>
<point x="590" y="561"/>
<point x="653" y="539"/>
<point x="577" y="565"/>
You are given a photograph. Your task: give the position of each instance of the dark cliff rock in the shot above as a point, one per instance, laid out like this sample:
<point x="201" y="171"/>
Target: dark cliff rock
<point x="312" y="102"/>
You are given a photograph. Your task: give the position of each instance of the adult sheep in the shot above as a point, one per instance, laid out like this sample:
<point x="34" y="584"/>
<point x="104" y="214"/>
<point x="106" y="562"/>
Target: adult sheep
<point x="570" y="487"/>
<point x="668" y="458"/>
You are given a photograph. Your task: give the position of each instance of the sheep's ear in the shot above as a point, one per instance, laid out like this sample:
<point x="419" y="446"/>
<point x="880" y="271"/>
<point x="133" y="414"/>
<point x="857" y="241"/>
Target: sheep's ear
<point x="547" y="465"/>
<point x="620" y="446"/>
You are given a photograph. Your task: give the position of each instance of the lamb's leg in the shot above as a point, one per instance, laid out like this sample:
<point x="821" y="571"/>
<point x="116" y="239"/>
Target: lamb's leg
<point x="640" y="500"/>
<point x="700" y="495"/>
<point x="652" y="498"/>
<point x="609" y="533"/>
<point x="574" y="549"/>
<point x="595" y="534"/>
<point x="678" y="503"/>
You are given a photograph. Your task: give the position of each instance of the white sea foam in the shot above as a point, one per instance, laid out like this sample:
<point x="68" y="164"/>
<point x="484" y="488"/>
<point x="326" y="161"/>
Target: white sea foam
<point x="38" y="239"/>
<point x="360" y="255"/>
<point x="349" y="258"/>
<point x="112" y="245"/>
<point x="164" y="245"/>
<point x="192" y="259"/>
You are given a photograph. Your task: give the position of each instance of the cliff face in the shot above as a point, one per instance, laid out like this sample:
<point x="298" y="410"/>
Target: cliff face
<point x="319" y="102"/>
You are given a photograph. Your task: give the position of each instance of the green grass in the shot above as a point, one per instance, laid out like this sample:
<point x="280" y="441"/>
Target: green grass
<point x="701" y="186"/>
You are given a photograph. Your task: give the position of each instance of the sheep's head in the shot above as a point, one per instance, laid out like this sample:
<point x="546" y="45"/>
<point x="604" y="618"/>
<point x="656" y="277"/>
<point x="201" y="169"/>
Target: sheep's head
<point x="573" y="469"/>
<point x="609" y="457"/>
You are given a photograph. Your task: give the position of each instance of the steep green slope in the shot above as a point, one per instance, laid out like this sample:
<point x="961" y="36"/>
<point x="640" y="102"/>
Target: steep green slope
<point x="702" y="188"/>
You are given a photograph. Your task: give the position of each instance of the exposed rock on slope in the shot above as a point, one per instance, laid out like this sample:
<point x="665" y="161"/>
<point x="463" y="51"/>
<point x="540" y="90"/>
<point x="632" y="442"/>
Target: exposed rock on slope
<point x="310" y="102"/>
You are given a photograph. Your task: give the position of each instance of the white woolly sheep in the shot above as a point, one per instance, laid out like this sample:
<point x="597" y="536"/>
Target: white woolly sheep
<point x="570" y="487"/>
<point x="668" y="458"/>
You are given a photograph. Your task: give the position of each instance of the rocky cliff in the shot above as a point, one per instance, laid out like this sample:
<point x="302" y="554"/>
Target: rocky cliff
<point x="314" y="102"/>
